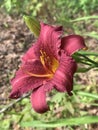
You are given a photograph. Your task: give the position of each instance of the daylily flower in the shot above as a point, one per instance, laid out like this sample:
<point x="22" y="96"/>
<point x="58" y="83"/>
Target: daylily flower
<point x="46" y="65"/>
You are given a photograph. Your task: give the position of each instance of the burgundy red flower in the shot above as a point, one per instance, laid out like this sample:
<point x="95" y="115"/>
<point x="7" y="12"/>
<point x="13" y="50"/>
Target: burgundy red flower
<point x="48" y="64"/>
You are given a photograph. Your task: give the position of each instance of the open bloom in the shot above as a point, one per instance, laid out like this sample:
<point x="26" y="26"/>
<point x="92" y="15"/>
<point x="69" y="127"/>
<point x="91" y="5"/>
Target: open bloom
<point x="46" y="65"/>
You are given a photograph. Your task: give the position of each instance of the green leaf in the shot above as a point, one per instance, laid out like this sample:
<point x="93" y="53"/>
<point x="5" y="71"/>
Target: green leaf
<point x="33" y="25"/>
<point x="83" y="70"/>
<point x="62" y="122"/>
<point x="85" y="18"/>
<point x="87" y="53"/>
<point x="90" y="95"/>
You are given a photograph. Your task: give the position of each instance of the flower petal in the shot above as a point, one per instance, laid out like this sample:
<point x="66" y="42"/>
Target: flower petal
<point x="63" y="78"/>
<point x="38" y="100"/>
<point x="50" y="39"/>
<point x="32" y="53"/>
<point x="24" y="82"/>
<point x="33" y="66"/>
<point x="72" y="43"/>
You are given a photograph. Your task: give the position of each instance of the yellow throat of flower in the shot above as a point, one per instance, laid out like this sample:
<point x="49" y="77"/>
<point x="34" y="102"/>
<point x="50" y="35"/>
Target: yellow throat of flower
<point x="50" y="65"/>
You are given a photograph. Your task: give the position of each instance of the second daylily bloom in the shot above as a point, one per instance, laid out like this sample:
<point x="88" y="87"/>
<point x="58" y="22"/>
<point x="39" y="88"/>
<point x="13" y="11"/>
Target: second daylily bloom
<point x="46" y="65"/>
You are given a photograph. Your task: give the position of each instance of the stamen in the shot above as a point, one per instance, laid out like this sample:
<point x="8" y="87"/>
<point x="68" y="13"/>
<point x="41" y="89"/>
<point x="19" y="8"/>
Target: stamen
<point x="49" y="63"/>
<point x="39" y="75"/>
<point x="45" y="60"/>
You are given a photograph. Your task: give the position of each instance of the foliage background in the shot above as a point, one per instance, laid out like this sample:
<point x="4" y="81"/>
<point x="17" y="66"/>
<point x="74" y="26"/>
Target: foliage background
<point x="77" y="16"/>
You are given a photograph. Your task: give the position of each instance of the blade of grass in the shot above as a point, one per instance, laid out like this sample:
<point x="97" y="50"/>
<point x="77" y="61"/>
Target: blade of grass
<point x="93" y="35"/>
<point x="95" y="96"/>
<point x="85" y="18"/>
<point x="61" y="122"/>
